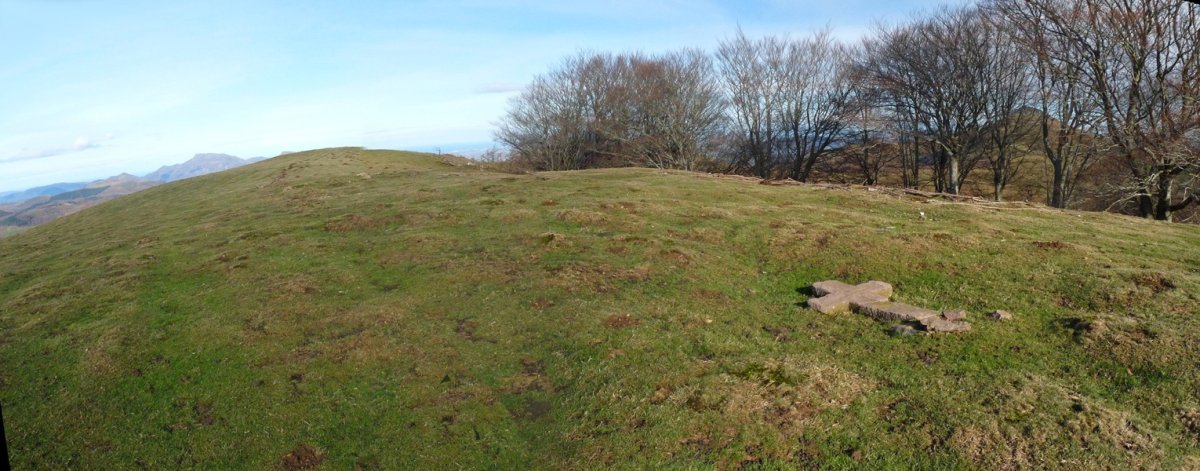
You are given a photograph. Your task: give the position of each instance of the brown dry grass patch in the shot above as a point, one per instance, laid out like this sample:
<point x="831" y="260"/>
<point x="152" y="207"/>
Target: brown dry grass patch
<point x="1190" y="419"/>
<point x="552" y="239"/>
<point x="402" y="258"/>
<point x="1154" y="282"/>
<point x="519" y="215"/>
<point x="699" y="234"/>
<point x="296" y="286"/>
<point x="619" y="205"/>
<point x="786" y="394"/>
<point x="358" y="222"/>
<point x="98" y="358"/>
<point x="598" y="278"/>
<point x="713" y="213"/>
<point x="1061" y="416"/>
<point x="582" y="217"/>
<point x="993" y="446"/>
<point x="676" y="257"/>
<point x="707" y="294"/>
<point x="360" y="348"/>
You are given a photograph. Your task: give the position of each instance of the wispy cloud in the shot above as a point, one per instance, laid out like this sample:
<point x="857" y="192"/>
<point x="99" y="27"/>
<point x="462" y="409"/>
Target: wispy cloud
<point x="490" y="88"/>
<point x="80" y="144"/>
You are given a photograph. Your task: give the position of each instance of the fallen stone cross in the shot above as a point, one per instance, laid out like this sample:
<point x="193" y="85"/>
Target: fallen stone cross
<point x="872" y="299"/>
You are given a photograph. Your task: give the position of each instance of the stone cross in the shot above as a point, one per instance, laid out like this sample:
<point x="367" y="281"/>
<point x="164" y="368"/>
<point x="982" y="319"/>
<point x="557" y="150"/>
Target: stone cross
<point x="836" y="296"/>
<point x="872" y="299"/>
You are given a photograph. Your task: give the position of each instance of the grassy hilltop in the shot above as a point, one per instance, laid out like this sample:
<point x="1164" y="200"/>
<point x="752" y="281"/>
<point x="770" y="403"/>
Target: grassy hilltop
<point x="346" y="308"/>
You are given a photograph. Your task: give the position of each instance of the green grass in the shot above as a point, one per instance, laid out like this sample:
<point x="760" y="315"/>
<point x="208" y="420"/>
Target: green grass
<point x="398" y="311"/>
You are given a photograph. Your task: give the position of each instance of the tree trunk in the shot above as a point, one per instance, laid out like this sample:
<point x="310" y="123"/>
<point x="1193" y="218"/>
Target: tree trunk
<point x="1058" y="190"/>
<point x="870" y="176"/>
<point x="915" y="181"/>
<point x="952" y="178"/>
<point x="998" y="171"/>
<point x="1145" y="204"/>
<point x="798" y="150"/>
<point x="808" y="163"/>
<point x="1162" y="208"/>
<point x="940" y="182"/>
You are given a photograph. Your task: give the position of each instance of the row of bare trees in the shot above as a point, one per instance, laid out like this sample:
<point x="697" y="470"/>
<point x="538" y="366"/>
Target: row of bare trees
<point x="1126" y="74"/>
<point x="789" y="100"/>
<point x="994" y="88"/>
<point x="613" y="110"/>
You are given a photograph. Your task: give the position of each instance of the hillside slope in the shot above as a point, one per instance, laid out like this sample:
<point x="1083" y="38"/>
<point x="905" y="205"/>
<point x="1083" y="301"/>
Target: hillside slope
<point x="389" y="310"/>
<point x="15" y="217"/>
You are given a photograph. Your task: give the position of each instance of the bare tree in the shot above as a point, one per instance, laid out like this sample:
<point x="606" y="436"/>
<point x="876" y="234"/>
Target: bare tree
<point x="1081" y="81"/>
<point x="1139" y="61"/>
<point x="1067" y="116"/>
<point x="678" y="109"/>
<point x="606" y="110"/>
<point x="872" y="138"/>
<point x="814" y="98"/>
<point x="547" y="125"/>
<point x="1007" y="95"/>
<point x="751" y="72"/>
<point x="933" y="70"/>
<point x="906" y="127"/>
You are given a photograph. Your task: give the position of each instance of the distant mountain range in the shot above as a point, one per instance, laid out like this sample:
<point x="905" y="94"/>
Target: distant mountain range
<point x="20" y="210"/>
<point x="201" y="164"/>
<point x="52" y="189"/>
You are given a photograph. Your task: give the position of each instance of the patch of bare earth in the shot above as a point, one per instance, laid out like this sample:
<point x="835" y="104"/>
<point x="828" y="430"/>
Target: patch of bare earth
<point x="1050" y="244"/>
<point x="620" y="321"/>
<point x="531" y="378"/>
<point x="302" y="457"/>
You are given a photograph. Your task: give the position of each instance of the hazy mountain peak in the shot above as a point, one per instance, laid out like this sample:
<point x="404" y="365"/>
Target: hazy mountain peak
<point x="199" y="164"/>
<point x="115" y="179"/>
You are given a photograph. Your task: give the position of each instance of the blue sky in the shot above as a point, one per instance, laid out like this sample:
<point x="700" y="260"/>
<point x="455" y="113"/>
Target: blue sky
<point x="92" y="88"/>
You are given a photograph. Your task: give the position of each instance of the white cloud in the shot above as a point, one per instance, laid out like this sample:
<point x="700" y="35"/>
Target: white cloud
<point x="499" y="87"/>
<point x="80" y="144"/>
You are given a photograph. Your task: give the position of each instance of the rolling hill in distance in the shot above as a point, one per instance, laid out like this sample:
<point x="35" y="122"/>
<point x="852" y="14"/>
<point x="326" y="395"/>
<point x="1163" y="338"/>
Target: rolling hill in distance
<point x="20" y="210"/>
<point x="47" y="190"/>
<point x="364" y="309"/>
